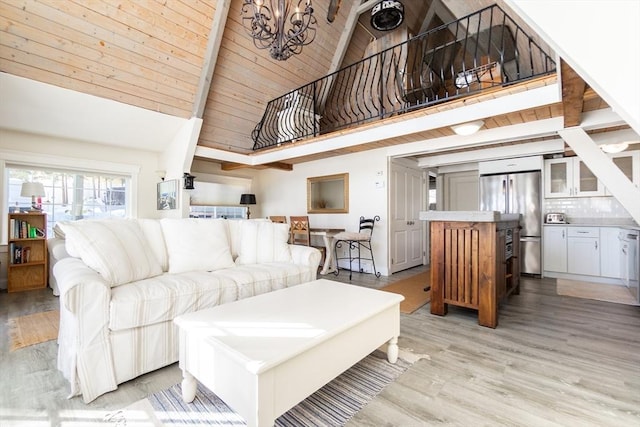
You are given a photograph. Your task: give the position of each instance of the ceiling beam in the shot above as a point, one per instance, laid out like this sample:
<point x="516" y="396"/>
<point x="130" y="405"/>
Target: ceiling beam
<point x="210" y="57"/>
<point x="604" y="169"/>
<point x="230" y="166"/>
<point x="334" y="6"/>
<point x="345" y="37"/>
<point x="437" y="8"/>
<point x="573" y="88"/>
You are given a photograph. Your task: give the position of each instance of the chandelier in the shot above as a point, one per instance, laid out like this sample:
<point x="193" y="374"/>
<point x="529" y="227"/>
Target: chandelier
<point x="279" y="28"/>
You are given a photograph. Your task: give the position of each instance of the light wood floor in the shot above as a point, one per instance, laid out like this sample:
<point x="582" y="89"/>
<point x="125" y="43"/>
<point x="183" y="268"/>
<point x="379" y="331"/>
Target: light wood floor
<point x="552" y="360"/>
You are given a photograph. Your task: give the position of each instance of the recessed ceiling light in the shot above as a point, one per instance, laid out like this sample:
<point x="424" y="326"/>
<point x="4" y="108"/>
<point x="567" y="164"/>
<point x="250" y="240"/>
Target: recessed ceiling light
<point x="614" y="148"/>
<point x="469" y="128"/>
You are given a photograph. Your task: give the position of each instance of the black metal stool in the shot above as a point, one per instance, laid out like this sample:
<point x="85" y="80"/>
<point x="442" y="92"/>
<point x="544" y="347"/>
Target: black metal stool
<point x="357" y="241"/>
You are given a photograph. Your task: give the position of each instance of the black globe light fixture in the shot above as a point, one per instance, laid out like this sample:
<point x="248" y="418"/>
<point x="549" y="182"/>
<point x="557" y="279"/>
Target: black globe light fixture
<point x="387" y="15"/>
<point x="282" y="26"/>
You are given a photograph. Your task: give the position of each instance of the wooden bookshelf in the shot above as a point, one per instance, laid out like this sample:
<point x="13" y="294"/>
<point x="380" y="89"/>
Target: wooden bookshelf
<point x="27" y="249"/>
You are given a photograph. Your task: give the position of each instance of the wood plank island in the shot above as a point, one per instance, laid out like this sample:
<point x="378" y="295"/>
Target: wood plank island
<point x="474" y="261"/>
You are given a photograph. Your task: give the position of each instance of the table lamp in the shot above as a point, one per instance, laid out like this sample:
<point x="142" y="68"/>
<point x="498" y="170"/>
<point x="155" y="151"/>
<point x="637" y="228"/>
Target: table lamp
<point x="248" y="199"/>
<point x="33" y="190"/>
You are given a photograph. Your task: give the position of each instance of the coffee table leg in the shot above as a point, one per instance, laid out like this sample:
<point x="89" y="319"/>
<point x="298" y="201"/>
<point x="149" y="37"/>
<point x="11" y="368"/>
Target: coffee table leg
<point x="392" y="350"/>
<point x="188" y="387"/>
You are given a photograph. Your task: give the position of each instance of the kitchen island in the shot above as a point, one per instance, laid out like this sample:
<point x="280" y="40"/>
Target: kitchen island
<point x="474" y="260"/>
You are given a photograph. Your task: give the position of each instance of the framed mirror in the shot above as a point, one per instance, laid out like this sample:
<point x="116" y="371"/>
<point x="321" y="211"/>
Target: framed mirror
<point x="328" y="194"/>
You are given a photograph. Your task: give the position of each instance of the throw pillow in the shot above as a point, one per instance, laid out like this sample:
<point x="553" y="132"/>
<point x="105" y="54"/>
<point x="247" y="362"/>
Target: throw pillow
<point x="115" y="248"/>
<point x="152" y="230"/>
<point x="196" y="244"/>
<point x="263" y="241"/>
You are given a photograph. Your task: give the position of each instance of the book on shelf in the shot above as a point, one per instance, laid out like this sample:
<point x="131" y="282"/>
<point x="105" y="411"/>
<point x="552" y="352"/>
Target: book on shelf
<point x="19" y="229"/>
<point x="26" y="254"/>
<point x="19" y="254"/>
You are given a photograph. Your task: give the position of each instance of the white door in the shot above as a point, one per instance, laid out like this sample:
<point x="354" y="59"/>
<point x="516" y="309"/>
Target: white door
<point x="407" y="233"/>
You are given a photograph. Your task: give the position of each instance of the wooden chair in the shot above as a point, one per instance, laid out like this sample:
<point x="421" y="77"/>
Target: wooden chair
<point x="278" y="218"/>
<point x="301" y="234"/>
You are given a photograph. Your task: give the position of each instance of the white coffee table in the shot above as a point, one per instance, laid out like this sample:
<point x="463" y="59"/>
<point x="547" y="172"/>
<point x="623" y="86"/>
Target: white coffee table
<point x="263" y="355"/>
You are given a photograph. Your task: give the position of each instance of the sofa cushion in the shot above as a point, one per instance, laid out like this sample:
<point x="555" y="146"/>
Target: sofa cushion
<point x="196" y="244"/>
<point x="256" y="279"/>
<point x="153" y="232"/>
<point x="263" y="241"/>
<point x="115" y="248"/>
<point x="162" y="298"/>
<point x="233" y="228"/>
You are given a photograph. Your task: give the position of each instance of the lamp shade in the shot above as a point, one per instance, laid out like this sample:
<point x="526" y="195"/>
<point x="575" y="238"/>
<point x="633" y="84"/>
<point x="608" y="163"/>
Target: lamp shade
<point x="248" y="199"/>
<point x="32" y="189"/>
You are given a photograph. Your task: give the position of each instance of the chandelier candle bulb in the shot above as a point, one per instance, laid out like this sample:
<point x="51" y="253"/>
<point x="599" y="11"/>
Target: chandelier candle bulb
<point x="274" y="26"/>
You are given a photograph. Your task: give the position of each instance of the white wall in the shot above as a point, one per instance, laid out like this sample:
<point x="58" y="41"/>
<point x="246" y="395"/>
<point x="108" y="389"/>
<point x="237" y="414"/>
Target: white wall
<point x="285" y="193"/>
<point x="18" y="147"/>
<point x="55" y="152"/>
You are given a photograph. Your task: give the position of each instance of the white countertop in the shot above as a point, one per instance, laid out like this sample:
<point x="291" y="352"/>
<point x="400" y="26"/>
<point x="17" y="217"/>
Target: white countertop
<point x="624" y="226"/>
<point x="472" y="216"/>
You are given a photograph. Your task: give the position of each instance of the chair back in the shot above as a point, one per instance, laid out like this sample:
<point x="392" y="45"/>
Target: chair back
<point x="366" y="225"/>
<point x="278" y="218"/>
<point x="300" y="233"/>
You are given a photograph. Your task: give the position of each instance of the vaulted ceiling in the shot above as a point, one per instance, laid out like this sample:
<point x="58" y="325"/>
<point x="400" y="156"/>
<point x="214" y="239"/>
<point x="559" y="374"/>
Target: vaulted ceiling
<point x="163" y="55"/>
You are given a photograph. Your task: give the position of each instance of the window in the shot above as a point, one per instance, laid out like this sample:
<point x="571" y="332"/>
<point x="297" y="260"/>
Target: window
<point x="208" y="211"/>
<point x="69" y="195"/>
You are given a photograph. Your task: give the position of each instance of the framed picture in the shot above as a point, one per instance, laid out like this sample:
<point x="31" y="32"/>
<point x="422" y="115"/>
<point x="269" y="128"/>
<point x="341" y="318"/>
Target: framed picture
<point x="168" y="195"/>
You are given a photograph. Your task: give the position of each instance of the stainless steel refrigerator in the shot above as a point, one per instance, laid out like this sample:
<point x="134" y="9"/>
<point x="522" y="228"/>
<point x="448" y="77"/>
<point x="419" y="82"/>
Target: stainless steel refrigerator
<point x="518" y="193"/>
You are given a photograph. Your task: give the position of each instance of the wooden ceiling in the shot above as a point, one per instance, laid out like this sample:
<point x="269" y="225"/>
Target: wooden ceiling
<point x="153" y="54"/>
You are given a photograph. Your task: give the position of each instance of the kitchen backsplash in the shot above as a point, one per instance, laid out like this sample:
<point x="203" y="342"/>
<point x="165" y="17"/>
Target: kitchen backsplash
<point x="588" y="208"/>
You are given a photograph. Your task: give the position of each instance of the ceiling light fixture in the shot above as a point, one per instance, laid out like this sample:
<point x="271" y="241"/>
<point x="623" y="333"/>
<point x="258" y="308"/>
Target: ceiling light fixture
<point x="614" y="148"/>
<point x="469" y="128"/>
<point x="387" y="15"/>
<point x="279" y="28"/>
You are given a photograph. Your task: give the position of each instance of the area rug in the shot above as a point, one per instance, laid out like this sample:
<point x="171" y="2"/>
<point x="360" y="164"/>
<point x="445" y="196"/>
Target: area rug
<point x="597" y="291"/>
<point x="33" y="328"/>
<point x="332" y="405"/>
<point x="412" y="288"/>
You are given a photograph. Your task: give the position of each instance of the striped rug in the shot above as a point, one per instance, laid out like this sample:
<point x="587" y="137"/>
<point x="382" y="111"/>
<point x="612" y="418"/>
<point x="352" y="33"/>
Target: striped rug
<point x="332" y="405"/>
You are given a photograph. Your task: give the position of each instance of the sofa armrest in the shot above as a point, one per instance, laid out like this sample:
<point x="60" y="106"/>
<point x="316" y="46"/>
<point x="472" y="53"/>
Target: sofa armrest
<point x="84" y="352"/>
<point x="306" y="255"/>
<point x="57" y="251"/>
<point x="78" y="281"/>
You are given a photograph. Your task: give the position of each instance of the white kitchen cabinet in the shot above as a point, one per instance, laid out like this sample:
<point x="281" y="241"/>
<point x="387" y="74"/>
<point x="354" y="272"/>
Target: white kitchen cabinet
<point x="570" y="177"/>
<point x="555" y="249"/>
<point x="629" y="164"/>
<point x="610" y="252"/>
<point x="583" y="250"/>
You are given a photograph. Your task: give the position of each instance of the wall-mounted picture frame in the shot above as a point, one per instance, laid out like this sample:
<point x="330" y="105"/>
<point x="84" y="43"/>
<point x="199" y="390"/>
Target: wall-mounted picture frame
<point x="168" y="195"/>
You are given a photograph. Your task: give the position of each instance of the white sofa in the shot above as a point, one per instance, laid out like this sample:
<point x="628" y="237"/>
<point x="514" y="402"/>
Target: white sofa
<point x="126" y="280"/>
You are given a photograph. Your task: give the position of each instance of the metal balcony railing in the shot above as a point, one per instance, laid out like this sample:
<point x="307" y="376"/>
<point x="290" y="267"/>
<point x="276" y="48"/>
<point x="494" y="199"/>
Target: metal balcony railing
<point x="482" y="50"/>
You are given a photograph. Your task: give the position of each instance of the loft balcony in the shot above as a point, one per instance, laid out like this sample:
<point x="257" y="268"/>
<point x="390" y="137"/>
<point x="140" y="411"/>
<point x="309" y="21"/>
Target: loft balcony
<point x="480" y="51"/>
